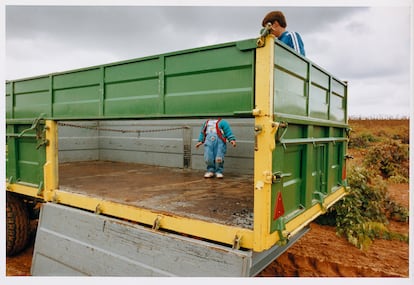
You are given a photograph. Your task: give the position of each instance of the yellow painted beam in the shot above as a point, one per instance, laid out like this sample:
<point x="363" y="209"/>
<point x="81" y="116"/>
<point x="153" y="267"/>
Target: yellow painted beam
<point x="265" y="130"/>
<point x="51" y="167"/>
<point x="22" y="189"/>
<point x="193" y="227"/>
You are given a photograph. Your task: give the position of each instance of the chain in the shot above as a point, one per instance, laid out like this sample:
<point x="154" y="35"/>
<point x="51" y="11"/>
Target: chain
<point x="122" y="131"/>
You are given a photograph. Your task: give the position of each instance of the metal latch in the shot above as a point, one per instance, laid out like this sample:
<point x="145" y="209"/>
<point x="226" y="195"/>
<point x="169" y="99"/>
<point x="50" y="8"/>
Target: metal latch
<point x="279" y="175"/>
<point x="348" y="156"/>
<point x="257" y="130"/>
<point x="263" y="33"/>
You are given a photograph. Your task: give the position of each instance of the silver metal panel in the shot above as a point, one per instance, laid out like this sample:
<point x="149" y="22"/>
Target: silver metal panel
<point x="75" y="242"/>
<point x="78" y="144"/>
<point x="172" y="148"/>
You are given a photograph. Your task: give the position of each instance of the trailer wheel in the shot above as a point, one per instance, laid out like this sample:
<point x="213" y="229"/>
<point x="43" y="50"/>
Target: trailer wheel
<point x="17" y="221"/>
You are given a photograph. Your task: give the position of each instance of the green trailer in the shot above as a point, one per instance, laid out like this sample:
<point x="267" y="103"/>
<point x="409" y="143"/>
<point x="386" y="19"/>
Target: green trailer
<point x="108" y="152"/>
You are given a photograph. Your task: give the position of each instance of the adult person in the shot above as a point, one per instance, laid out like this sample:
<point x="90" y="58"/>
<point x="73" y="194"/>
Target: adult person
<point x="278" y="29"/>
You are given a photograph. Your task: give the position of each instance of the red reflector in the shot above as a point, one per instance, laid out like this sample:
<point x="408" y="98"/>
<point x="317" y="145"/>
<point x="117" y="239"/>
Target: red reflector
<point x="344" y="171"/>
<point x="279" y="208"/>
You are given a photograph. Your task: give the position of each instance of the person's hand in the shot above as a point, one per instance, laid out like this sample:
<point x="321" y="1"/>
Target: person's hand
<point x="233" y="143"/>
<point x="198" y="144"/>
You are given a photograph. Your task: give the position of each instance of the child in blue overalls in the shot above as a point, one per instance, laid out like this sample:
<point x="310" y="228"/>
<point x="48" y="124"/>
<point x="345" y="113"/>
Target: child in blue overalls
<point x="214" y="134"/>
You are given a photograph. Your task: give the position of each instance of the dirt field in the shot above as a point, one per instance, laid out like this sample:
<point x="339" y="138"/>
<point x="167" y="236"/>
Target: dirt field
<point x="321" y="253"/>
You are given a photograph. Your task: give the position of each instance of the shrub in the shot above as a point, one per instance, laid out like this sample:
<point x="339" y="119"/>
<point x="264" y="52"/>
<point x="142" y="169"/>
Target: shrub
<point x="361" y="216"/>
<point x="361" y="141"/>
<point x="395" y="211"/>
<point x="388" y="159"/>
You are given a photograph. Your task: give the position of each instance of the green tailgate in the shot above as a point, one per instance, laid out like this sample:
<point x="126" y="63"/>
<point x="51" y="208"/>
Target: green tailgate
<point x="209" y="81"/>
<point x="25" y="155"/>
<point x="311" y="143"/>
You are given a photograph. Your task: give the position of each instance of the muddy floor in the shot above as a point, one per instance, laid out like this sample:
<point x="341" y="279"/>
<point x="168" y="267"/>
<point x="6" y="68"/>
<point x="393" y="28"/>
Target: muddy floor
<point x="181" y="192"/>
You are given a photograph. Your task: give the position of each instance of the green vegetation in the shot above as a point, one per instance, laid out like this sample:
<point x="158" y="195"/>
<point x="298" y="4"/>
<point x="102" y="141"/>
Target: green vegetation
<point x="390" y="160"/>
<point x="364" y="214"/>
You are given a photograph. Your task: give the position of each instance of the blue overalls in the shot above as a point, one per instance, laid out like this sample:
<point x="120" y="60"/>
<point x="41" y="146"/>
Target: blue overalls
<point x="214" y="149"/>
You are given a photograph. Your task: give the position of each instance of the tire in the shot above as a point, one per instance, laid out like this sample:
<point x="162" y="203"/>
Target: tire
<point x="17" y="221"/>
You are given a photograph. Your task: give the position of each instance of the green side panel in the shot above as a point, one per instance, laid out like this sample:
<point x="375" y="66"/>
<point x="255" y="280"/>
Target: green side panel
<point x="311" y="144"/>
<point x="292" y="182"/>
<point x="337" y="155"/>
<point x="290" y="74"/>
<point x="213" y="82"/>
<point x="208" y="81"/>
<point x="309" y="161"/>
<point x="77" y="94"/>
<point x="32" y="97"/>
<point x="25" y="156"/>
<point x="304" y="90"/>
<point x="9" y="100"/>
<point x="338" y="103"/>
<point x="133" y="88"/>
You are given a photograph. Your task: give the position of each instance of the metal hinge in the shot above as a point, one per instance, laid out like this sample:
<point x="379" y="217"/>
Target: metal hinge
<point x="98" y="209"/>
<point x="257" y="130"/>
<point x="236" y="242"/>
<point x="157" y="222"/>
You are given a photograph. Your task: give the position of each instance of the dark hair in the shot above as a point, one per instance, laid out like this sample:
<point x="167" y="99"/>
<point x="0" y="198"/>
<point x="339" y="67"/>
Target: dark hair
<point x="274" y="16"/>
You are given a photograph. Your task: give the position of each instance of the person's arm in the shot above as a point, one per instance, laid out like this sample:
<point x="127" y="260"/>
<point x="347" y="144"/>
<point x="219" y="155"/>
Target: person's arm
<point x="227" y="132"/>
<point x="201" y="136"/>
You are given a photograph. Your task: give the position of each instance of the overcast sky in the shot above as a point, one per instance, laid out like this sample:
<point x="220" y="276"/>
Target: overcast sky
<point x="367" y="46"/>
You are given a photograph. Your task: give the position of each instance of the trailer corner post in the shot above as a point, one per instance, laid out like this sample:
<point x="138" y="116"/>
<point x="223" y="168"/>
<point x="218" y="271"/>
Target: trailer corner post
<point x="265" y="130"/>
<point x="51" y="178"/>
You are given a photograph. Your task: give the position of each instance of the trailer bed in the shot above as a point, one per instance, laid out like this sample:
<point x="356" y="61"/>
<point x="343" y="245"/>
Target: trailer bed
<point x="171" y="191"/>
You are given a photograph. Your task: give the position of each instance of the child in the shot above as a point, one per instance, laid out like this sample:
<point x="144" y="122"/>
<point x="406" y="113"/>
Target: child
<point x="214" y="134"/>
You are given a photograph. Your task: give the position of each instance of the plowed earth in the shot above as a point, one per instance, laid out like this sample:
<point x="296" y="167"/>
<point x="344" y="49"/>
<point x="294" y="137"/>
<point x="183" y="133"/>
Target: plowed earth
<point x="321" y="253"/>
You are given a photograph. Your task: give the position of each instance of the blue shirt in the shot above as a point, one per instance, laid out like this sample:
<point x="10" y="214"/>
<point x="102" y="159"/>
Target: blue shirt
<point x="222" y="126"/>
<point x="293" y="40"/>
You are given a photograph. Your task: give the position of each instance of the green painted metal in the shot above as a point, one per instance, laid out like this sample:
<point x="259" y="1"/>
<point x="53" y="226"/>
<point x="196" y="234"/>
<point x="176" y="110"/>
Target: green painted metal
<point x="208" y="81"/>
<point x="219" y="80"/>
<point x="25" y="153"/>
<point x="311" y="144"/>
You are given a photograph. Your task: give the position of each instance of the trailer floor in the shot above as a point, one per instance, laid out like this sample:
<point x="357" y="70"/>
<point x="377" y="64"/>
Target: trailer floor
<point x="176" y="191"/>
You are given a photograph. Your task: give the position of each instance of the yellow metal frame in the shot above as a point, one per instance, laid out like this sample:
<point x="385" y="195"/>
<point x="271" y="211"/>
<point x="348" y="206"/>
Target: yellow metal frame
<point x="212" y="231"/>
<point x="258" y="239"/>
<point x="265" y="129"/>
<point x="192" y="227"/>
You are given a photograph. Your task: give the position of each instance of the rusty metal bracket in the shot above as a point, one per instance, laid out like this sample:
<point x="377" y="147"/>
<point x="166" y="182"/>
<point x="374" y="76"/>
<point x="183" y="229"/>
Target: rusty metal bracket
<point x="35" y="125"/>
<point x="284" y="126"/>
<point x="263" y="33"/>
<point x="157" y="222"/>
<point x="236" y="242"/>
<point x="55" y="198"/>
<point x="98" y="209"/>
<point x="257" y="130"/>
<point x="40" y="189"/>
